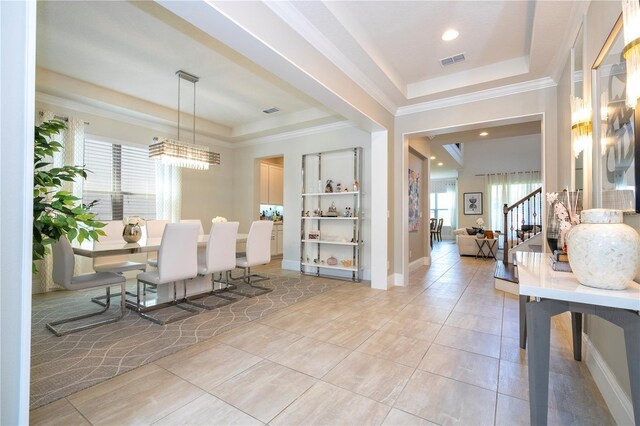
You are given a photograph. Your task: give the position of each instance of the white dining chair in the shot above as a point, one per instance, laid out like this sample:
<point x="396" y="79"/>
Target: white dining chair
<point x="63" y="264"/>
<point x="196" y="221"/>
<point x="177" y="261"/>
<point x="155" y="229"/>
<point x="118" y="264"/>
<point x="218" y="258"/>
<point x="258" y="252"/>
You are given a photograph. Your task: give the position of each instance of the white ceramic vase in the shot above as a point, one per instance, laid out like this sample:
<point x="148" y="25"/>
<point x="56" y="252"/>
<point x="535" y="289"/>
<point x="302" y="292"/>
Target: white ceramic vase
<point x="603" y="251"/>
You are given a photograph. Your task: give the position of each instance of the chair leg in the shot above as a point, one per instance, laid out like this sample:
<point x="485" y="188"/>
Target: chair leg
<point x="247" y="279"/>
<point x="225" y="300"/>
<point x="52" y="325"/>
<point x="142" y="311"/>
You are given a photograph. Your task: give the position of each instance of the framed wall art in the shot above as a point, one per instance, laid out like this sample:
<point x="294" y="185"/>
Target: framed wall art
<point x="472" y="203"/>
<point x="614" y="128"/>
<point x="414" y="200"/>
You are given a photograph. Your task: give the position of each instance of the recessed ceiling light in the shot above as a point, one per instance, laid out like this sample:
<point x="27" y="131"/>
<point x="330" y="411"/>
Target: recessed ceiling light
<point x="484" y="134"/>
<point x="440" y="164"/>
<point x="450" y="35"/>
<point x="433" y="157"/>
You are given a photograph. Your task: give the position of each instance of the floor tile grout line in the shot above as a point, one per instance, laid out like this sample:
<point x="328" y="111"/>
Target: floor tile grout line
<point x="209" y="392"/>
<point x="77" y="410"/>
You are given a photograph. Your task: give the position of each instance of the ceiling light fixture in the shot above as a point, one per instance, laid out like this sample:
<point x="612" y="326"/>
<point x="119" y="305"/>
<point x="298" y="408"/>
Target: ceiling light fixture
<point x="440" y="164"/>
<point x="450" y="35"/>
<point x="433" y="157"/>
<point x="581" y="125"/>
<point x="177" y="153"/>
<point x="631" y="52"/>
<point x="484" y="134"/>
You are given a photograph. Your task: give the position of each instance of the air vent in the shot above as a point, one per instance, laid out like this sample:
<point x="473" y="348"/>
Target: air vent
<point x="445" y="62"/>
<point x="270" y="110"/>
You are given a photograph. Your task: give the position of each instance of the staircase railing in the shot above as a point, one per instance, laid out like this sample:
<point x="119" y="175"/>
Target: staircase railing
<point x="522" y="220"/>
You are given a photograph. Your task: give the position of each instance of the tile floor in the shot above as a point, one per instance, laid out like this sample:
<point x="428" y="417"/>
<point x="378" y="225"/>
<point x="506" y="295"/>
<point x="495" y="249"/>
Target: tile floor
<point x="442" y="350"/>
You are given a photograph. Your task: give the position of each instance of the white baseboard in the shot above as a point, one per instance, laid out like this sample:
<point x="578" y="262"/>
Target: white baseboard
<point x="507" y="286"/>
<point x="617" y="400"/>
<point x="290" y="265"/>
<point x="418" y="263"/>
<point x="395" y="280"/>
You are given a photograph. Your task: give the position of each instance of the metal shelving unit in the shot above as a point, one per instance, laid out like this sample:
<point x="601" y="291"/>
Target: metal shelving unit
<point x="346" y="245"/>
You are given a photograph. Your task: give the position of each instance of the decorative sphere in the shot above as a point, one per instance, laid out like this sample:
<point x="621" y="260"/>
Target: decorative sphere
<point x="603" y="251"/>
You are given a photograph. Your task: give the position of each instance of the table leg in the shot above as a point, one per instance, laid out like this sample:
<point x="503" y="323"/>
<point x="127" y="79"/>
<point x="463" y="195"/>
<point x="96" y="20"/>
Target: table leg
<point x="576" y="329"/>
<point x="539" y="334"/>
<point x="523" y="321"/>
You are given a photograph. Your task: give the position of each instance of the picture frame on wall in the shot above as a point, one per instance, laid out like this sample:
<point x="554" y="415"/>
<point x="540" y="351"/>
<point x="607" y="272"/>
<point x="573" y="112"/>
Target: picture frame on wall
<point x="472" y="203"/>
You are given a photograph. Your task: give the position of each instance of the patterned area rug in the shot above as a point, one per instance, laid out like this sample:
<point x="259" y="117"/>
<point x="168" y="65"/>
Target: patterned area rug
<point x="61" y="366"/>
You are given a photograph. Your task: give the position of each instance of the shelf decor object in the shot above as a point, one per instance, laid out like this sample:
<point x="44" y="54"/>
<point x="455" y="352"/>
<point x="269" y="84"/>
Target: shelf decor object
<point x="603" y="251"/>
<point x="331" y="243"/>
<point x="177" y="153"/>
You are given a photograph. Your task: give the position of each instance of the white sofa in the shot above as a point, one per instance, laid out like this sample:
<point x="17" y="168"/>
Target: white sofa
<point x="467" y="245"/>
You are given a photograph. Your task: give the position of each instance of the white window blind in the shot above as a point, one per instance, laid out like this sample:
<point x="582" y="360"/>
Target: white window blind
<point x="121" y="180"/>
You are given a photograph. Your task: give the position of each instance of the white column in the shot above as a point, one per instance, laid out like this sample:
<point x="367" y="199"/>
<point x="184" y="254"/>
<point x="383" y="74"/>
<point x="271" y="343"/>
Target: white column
<point x="379" y="209"/>
<point x="17" y="89"/>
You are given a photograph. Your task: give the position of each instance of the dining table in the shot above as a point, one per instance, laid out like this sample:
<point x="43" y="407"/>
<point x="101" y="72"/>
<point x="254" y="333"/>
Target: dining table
<point x="93" y="249"/>
<point x="164" y="292"/>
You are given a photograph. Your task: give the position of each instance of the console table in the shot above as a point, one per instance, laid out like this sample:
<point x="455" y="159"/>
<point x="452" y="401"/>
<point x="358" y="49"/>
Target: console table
<point x="554" y="292"/>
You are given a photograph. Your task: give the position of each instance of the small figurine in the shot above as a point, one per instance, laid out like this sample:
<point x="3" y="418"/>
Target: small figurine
<point x="306" y="214"/>
<point x="329" y="186"/>
<point x="346" y="189"/>
<point x="317" y="213"/>
<point x="355" y="186"/>
<point x="347" y="212"/>
<point x="339" y="187"/>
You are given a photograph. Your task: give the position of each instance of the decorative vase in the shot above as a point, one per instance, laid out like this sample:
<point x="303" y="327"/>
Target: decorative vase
<point x="132" y="233"/>
<point x="553" y="223"/>
<point x="603" y="251"/>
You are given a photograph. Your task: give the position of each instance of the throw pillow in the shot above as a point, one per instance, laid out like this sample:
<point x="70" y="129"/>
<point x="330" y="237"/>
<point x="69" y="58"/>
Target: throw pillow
<point x="472" y="231"/>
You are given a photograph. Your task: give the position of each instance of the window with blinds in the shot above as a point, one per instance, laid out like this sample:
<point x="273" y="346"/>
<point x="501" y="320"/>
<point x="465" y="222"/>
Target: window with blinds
<point x="121" y="180"/>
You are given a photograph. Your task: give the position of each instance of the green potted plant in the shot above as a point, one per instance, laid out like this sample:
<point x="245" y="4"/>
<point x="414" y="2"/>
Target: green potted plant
<point x="56" y="212"/>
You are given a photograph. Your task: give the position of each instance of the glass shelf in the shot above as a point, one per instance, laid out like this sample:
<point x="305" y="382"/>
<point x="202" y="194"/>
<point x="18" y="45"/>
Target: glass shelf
<point x="337" y="243"/>
<point x="317" y="194"/>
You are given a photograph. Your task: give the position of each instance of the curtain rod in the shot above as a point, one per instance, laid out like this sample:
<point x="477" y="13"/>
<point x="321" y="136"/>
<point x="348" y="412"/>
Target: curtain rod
<point x="61" y="118"/>
<point x="510" y="173"/>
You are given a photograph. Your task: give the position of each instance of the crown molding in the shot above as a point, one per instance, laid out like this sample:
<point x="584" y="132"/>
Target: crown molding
<point x="295" y="134"/>
<point x="300" y="24"/>
<point x="125" y="116"/>
<point x="497" y="92"/>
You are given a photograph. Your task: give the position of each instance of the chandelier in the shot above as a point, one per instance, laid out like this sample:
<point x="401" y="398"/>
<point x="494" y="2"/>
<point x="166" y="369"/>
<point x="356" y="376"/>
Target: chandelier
<point x="177" y="153"/>
<point x="631" y="52"/>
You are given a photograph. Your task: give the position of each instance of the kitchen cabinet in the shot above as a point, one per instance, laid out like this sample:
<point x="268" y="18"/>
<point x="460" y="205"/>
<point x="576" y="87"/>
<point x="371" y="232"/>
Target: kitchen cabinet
<point x="271" y="178"/>
<point x="277" y="240"/>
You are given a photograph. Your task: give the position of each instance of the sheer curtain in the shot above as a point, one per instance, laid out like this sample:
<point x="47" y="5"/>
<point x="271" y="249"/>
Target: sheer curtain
<point x="507" y="188"/>
<point x="451" y="187"/>
<point x="168" y="192"/>
<point x="72" y="153"/>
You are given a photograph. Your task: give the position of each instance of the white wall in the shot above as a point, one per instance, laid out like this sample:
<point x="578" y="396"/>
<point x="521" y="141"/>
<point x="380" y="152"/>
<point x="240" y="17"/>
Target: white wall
<point x="245" y="178"/>
<point x="17" y="82"/>
<point x="521" y="153"/>
<point x="205" y="194"/>
<point x="538" y="104"/>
